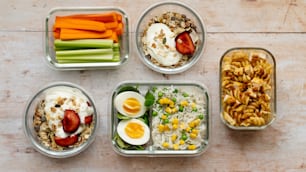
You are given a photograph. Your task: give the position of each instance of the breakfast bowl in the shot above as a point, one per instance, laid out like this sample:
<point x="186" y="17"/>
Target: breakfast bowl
<point x="61" y="120"/>
<point x="247" y="88"/>
<point x="160" y="119"/>
<point x="84" y="38"/>
<point x="170" y="37"/>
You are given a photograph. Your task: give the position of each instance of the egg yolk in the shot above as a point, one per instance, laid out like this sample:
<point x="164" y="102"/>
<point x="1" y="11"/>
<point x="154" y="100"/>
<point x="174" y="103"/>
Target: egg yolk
<point x="131" y="106"/>
<point x="134" y="130"/>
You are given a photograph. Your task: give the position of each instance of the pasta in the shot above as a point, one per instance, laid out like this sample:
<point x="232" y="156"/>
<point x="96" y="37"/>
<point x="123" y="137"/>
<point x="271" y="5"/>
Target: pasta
<point x="246" y="86"/>
<point x="178" y="121"/>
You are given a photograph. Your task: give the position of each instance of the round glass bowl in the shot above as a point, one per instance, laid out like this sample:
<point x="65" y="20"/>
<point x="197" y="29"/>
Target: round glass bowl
<point x="158" y="10"/>
<point x="31" y="130"/>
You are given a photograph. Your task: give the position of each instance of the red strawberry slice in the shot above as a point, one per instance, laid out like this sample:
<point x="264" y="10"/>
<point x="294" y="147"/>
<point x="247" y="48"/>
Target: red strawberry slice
<point x="71" y="121"/>
<point x="184" y="44"/>
<point x="88" y="119"/>
<point x="70" y="140"/>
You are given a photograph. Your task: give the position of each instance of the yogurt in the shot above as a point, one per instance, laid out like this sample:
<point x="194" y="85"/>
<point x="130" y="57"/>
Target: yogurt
<point x="160" y="41"/>
<point x="62" y="98"/>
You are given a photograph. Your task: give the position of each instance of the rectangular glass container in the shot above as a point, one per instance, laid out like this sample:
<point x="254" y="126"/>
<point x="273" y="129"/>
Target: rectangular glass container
<point x="49" y="39"/>
<point x="149" y="149"/>
<point x="247" y="88"/>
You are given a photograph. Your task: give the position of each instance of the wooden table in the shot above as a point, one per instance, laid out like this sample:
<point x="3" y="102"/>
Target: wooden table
<point x="277" y="25"/>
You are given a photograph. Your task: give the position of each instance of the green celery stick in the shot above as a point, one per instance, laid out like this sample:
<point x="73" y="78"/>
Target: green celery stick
<point x="83" y="52"/>
<point x="85" y="43"/>
<point x="87" y="57"/>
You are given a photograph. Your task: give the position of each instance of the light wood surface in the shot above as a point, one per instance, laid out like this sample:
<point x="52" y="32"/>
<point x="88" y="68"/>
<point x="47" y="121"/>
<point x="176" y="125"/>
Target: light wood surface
<point x="277" y="25"/>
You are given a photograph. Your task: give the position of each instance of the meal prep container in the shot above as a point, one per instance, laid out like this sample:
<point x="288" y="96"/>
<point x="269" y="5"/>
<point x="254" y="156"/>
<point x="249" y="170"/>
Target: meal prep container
<point x="149" y="150"/>
<point x="272" y="93"/>
<point x="49" y="39"/>
<point x="157" y="10"/>
<point x="28" y="123"/>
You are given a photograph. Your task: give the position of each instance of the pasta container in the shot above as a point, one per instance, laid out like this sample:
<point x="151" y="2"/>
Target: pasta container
<point x="49" y="39"/>
<point x="197" y="93"/>
<point x="247" y="88"/>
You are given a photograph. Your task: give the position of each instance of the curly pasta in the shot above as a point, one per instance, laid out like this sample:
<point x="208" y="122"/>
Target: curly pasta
<point x="246" y="86"/>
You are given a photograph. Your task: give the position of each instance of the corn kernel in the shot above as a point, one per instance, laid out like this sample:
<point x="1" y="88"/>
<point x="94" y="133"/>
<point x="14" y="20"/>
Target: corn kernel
<point x="174" y="110"/>
<point x="193" y="105"/>
<point x="168" y="110"/>
<point x="163" y="117"/>
<point x="193" y="136"/>
<point x="188" y="129"/>
<point x="167" y="101"/>
<point x="175" y="146"/>
<point x="184" y="103"/>
<point x="166" y="128"/>
<point x="175" y="121"/>
<point x="161" y="101"/>
<point x="195" y="131"/>
<point x="165" y="145"/>
<point x="161" y="128"/>
<point x="174" y="126"/>
<point x="191" y="124"/>
<point x="182" y="142"/>
<point x="191" y="147"/>
<point x="197" y="122"/>
<point x="173" y="137"/>
<point x="171" y="104"/>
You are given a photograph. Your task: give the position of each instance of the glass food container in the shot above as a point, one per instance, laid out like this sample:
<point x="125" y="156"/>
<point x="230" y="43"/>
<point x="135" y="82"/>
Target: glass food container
<point x="247" y="88"/>
<point x="185" y="130"/>
<point x="186" y="12"/>
<point x="38" y="133"/>
<point x="49" y="39"/>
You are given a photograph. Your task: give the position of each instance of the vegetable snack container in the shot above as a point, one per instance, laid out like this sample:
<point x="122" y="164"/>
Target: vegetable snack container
<point x="184" y="17"/>
<point x="36" y="119"/>
<point x="247" y="88"/>
<point x="50" y="56"/>
<point x="177" y="115"/>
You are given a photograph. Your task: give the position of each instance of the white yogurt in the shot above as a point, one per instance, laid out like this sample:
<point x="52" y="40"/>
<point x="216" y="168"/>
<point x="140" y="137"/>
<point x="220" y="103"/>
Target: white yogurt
<point x="160" y="41"/>
<point x="73" y="99"/>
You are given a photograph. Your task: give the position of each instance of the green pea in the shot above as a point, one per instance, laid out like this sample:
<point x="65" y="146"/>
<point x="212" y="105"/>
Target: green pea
<point x="165" y="121"/>
<point x="185" y="94"/>
<point x="154" y="113"/>
<point x="194" y="109"/>
<point x="201" y="116"/>
<point x="181" y="108"/>
<point x="175" y="91"/>
<point x="154" y="89"/>
<point x="174" y="99"/>
<point x="160" y="94"/>
<point x="184" y="137"/>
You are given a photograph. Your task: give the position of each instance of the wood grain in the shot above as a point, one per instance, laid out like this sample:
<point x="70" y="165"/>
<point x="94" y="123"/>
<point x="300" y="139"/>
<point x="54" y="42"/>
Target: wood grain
<point x="278" y="26"/>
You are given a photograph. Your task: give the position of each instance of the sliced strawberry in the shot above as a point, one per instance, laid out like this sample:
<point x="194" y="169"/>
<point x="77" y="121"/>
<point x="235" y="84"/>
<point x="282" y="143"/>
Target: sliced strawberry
<point x="71" y="121"/>
<point x="70" y="140"/>
<point x="184" y="44"/>
<point x="88" y="119"/>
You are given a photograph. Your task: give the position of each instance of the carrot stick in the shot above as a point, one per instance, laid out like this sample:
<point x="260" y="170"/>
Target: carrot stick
<point x="119" y="29"/>
<point x="114" y="37"/>
<point x="101" y="17"/>
<point x="72" y="23"/>
<point x="119" y="17"/>
<point x="70" y="34"/>
<point x="111" y="25"/>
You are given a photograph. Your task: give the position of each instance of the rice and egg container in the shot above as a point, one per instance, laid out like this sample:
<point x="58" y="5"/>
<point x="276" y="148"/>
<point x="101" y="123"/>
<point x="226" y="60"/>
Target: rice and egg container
<point x="169" y="124"/>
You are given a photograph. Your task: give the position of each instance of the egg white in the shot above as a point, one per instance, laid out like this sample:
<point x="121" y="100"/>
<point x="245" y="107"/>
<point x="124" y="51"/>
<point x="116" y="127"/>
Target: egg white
<point x="140" y="141"/>
<point x="120" y="98"/>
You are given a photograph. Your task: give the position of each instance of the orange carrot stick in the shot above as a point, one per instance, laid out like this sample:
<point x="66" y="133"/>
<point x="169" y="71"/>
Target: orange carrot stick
<point x="71" y="23"/>
<point x="69" y="34"/>
<point x="111" y="25"/>
<point x="114" y="37"/>
<point x="119" y="17"/>
<point x="119" y="29"/>
<point x="102" y="17"/>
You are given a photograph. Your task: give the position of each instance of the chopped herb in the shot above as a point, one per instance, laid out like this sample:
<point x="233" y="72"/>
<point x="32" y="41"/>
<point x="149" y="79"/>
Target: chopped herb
<point x="164" y="40"/>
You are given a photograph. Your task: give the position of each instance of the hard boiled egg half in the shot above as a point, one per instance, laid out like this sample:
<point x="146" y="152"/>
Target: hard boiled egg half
<point x="130" y="104"/>
<point x="133" y="131"/>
